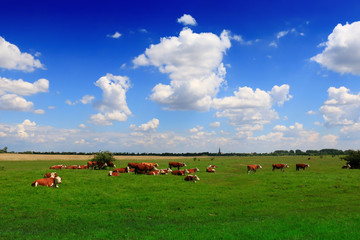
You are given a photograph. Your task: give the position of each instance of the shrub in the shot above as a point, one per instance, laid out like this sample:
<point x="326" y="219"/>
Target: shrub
<point x="104" y="157"/>
<point x="353" y="158"/>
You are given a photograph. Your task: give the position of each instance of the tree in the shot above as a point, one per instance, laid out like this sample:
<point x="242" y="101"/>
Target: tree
<point x="353" y="158"/>
<point x="104" y="157"/>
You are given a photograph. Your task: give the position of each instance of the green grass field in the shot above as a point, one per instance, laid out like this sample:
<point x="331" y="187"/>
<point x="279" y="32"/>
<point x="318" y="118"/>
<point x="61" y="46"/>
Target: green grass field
<point x="322" y="202"/>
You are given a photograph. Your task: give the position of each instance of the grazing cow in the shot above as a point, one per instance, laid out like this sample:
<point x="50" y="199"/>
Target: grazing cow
<point x="253" y="168"/>
<point x="193" y="170"/>
<point x="302" y="166"/>
<point x="210" y="170"/>
<point x="347" y="166"/>
<point x="151" y="164"/>
<point x="111" y="164"/>
<point x="114" y="174"/>
<point x="83" y="166"/>
<point x="142" y="168"/>
<point x="73" y="167"/>
<point x="180" y="172"/>
<point x="133" y="165"/>
<point x="212" y="166"/>
<point x="50" y="175"/>
<point x="192" y="178"/>
<point x="49" y="182"/>
<point x="122" y="170"/>
<point x="279" y="166"/>
<point x="176" y="164"/>
<point x="58" y="166"/>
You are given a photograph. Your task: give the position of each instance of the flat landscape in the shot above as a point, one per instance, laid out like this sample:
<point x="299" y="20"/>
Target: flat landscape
<point x="321" y="202"/>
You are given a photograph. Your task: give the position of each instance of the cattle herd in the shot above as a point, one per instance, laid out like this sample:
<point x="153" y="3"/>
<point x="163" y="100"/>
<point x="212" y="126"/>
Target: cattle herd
<point x="53" y="180"/>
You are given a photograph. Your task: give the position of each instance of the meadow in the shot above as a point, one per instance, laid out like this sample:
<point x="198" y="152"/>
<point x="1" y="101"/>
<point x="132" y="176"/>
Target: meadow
<point x="322" y="202"/>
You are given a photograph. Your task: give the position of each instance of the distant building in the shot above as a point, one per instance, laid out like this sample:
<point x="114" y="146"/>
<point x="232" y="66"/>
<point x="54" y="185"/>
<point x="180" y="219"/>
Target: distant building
<point x="219" y="153"/>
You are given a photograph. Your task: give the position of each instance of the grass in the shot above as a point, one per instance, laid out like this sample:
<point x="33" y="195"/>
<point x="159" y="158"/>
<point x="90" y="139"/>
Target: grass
<point x="321" y="202"/>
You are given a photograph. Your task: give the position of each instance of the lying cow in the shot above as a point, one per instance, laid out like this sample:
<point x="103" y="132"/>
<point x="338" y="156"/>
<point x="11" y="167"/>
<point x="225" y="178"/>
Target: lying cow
<point x="279" y="166"/>
<point x="73" y="167"/>
<point x="122" y="170"/>
<point x="212" y="166"/>
<point x="113" y="174"/>
<point x="155" y="172"/>
<point x="51" y="175"/>
<point x="192" y="178"/>
<point x="165" y="171"/>
<point x="180" y="172"/>
<point x="58" y="166"/>
<point x="83" y="166"/>
<point x="253" y="168"/>
<point x="302" y="166"/>
<point x="48" y="182"/>
<point x="178" y="165"/>
<point x="210" y="170"/>
<point x="347" y="166"/>
<point x="193" y="170"/>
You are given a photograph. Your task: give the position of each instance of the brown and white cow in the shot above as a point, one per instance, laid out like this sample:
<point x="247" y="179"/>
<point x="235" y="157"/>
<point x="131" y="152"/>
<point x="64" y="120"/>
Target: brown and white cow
<point x="165" y="171"/>
<point x="279" y="166"/>
<point x="178" y="165"/>
<point x="347" y="166"/>
<point x="113" y="174"/>
<point x="48" y="182"/>
<point x="193" y="170"/>
<point x="150" y="164"/>
<point x="133" y="165"/>
<point x="253" y="168"/>
<point x="58" y="166"/>
<point x="122" y="170"/>
<point x="73" y="167"/>
<point x="302" y="166"/>
<point x="180" y="172"/>
<point x="83" y="166"/>
<point x="51" y="175"/>
<point x="192" y="178"/>
<point x="142" y="168"/>
<point x="210" y="170"/>
<point x="212" y="166"/>
<point x="155" y="172"/>
<point x="111" y="164"/>
<point x="96" y="165"/>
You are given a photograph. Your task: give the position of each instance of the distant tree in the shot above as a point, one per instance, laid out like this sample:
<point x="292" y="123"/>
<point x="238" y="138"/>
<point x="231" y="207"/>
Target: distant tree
<point x="353" y="158"/>
<point x="104" y="157"/>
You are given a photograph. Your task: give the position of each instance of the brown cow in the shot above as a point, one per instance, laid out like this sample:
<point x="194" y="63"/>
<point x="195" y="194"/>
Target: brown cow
<point x="302" y="166"/>
<point x="83" y="166"/>
<point x="165" y="171"/>
<point x="279" y="166"/>
<point x="151" y="164"/>
<point x="210" y="170"/>
<point x="122" y="170"/>
<point x="192" y="178"/>
<point x="155" y="172"/>
<point x="180" y="172"/>
<point x="213" y="166"/>
<point x="176" y="164"/>
<point x="113" y="174"/>
<point x="133" y="165"/>
<point x="142" y="168"/>
<point x="96" y="165"/>
<point x="58" y="166"/>
<point x="50" y="175"/>
<point x="111" y="164"/>
<point x="73" y="167"/>
<point x="347" y="166"/>
<point x="49" y="182"/>
<point x="193" y="170"/>
<point x="253" y="168"/>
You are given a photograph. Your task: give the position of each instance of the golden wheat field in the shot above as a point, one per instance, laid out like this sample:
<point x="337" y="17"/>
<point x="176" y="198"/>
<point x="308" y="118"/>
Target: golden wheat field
<point x="45" y="157"/>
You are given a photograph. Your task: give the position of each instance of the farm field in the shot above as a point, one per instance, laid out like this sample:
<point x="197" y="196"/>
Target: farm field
<point x="322" y="202"/>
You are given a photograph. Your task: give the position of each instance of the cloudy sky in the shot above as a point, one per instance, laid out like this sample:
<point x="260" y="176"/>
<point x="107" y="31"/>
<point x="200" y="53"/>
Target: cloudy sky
<point x="150" y="76"/>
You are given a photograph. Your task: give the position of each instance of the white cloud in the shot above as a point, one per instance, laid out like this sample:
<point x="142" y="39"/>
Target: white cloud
<point x="87" y="99"/>
<point x="193" y="62"/>
<point x="273" y="44"/>
<point x="249" y="107"/>
<point x="23" y="88"/>
<point x="187" y="19"/>
<point x="152" y="125"/>
<point x="214" y="124"/>
<point x="39" y="111"/>
<point x="311" y="112"/>
<point x="240" y="40"/>
<point x="342" y="50"/>
<point x="13" y="59"/>
<point x="115" y="35"/>
<point x="82" y="125"/>
<point x="341" y="108"/>
<point x="281" y="34"/>
<point x="15" y="103"/>
<point x="196" y="129"/>
<point x="113" y="104"/>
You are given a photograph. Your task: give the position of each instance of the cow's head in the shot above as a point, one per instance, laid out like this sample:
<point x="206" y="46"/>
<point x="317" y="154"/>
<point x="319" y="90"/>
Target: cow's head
<point x="197" y="170"/>
<point x="307" y="165"/>
<point x="169" y="170"/>
<point x="259" y="166"/>
<point x="186" y="171"/>
<point x="184" y="164"/>
<point x="110" y="173"/>
<point x="127" y="169"/>
<point x="196" y="178"/>
<point x="286" y="165"/>
<point x="57" y="181"/>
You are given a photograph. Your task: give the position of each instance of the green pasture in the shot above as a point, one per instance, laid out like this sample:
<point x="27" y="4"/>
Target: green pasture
<point x="322" y="202"/>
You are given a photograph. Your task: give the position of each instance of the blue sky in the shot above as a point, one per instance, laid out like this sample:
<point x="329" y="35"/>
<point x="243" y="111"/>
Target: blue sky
<point x="143" y="76"/>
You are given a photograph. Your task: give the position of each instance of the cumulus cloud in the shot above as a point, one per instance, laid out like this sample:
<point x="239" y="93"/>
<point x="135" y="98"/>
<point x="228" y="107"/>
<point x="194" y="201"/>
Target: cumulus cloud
<point x="341" y="108"/>
<point x="15" y="103"/>
<point x="13" y="59"/>
<point x="87" y="99"/>
<point x="152" y="125"/>
<point x="113" y="104"/>
<point x="187" y="19"/>
<point x="249" y="107"/>
<point x="194" y="64"/>
<point x="23" y="88"/>
<point x="342" y="50"/>
<point x="115" y="35"/>
<point x="214" y="124"/>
